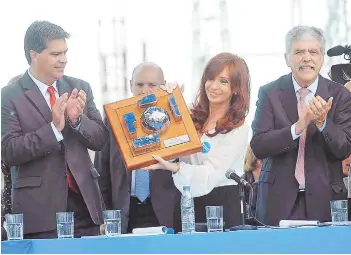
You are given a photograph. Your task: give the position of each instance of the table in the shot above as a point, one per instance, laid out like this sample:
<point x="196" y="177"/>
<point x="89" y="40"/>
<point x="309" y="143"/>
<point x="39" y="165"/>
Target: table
<point x="329" y="239"/>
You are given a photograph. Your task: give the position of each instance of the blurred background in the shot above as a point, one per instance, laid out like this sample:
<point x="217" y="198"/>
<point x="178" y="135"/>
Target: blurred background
<point x="109" y="38"/>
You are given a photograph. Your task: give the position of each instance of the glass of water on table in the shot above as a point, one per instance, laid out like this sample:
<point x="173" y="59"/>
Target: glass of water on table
<point x="65" y="224"/>
<point x="214" y="216"/>
<point x="112" y="221"/>
<point x="14" y="226"/>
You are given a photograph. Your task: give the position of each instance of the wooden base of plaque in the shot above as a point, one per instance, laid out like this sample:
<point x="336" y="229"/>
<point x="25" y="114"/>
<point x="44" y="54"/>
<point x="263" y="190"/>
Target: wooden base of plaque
<point x="179" y="139"/>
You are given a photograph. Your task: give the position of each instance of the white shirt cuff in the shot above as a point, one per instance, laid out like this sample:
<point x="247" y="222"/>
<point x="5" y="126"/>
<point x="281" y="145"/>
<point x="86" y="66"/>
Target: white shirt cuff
<point x="77" y="127"/>
<point x="58" y="134"/>
<point x="293" y="132"/>
<point x="323" y="127"/>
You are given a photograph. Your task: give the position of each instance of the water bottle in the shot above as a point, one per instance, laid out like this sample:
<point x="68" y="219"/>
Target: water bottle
<point x="187" y="211"/>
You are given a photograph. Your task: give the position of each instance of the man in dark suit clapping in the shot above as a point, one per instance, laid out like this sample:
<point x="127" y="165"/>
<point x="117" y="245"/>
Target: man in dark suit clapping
<point x="302" y="131"/>
<point x="49" y="121"/>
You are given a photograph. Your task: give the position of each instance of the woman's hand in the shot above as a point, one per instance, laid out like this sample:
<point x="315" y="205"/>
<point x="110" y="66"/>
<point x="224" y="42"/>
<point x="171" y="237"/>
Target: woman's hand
<point x="169" y="87"/>
<point x="163" y="164"/>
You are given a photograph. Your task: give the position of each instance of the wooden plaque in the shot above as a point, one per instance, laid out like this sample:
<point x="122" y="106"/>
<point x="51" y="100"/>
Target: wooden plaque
<point x="158" y="123"/>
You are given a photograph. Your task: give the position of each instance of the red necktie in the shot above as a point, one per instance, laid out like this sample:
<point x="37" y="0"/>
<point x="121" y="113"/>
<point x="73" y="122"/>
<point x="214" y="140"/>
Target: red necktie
<point x="71" y="182"/>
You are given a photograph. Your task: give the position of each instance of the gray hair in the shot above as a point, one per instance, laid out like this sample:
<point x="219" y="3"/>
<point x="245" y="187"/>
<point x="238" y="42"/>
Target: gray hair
<point x="303" y="32"/>
<point x="38" y="34"/>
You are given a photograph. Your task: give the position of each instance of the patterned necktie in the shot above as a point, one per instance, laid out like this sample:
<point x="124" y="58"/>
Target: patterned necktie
<point x="142" y="184"/>
<point x="71" y="183"/>
<point x="300" y="162"/>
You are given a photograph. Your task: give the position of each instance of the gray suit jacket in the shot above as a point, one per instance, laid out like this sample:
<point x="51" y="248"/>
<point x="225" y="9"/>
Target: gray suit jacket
<point x="28" y="142"/>
<point x="272" y="141"/>
<point x="115" y="185"/>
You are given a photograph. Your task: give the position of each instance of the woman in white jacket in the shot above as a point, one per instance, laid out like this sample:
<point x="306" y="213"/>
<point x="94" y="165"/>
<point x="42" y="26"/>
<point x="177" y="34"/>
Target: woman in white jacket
<point x="219" y="116"/>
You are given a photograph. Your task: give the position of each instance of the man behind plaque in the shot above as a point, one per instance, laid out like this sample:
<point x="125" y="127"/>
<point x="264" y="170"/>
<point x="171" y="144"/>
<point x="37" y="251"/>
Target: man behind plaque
<point x="302" y="131"/>
<point x="146" y="198"/>
<point x="49" y="121"/>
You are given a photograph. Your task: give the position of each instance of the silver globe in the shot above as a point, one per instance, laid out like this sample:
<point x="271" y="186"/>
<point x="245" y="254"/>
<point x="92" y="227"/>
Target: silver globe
<point x="155" y="120"/>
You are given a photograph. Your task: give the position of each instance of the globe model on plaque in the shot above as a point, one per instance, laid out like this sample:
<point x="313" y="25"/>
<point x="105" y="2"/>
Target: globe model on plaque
<point x="155" y="120"/>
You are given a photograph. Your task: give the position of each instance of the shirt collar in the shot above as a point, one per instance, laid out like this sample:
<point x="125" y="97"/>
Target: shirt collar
<point x="42" y="86"/>
<point x="313" y="87"/>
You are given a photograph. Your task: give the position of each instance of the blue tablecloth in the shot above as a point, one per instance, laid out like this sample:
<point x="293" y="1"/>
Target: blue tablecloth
<point x="297" y="240"/>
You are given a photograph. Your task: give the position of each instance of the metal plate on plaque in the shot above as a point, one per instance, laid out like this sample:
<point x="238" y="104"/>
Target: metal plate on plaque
<point x="157" y="123"/>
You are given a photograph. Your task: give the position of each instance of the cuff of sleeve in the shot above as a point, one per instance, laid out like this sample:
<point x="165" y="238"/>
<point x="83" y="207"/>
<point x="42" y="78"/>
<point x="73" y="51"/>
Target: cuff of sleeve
<point x="182" y="177"/>
<point x="58" y="134"/>
<point x="293" y="132"/>
<point x="323" y="127"/>
<point x="183" y="172"/>
<point x="179" y="172"/>
<point x="77" y="125"/>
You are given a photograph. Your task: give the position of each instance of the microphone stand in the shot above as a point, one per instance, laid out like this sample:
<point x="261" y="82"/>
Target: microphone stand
<point x="243" y="226"/>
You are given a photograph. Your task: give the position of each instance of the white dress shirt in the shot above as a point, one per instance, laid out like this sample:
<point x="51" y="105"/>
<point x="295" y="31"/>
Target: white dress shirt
<point x="312" y="89"/>
<point x="132" y="191"/>
<point x="205" y="171"/>
<point x="44" y="91"/>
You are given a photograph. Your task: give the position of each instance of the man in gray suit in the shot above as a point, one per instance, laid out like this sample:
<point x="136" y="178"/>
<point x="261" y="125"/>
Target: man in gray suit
<point x="146" y="198"/>
<point x="302" y="131"/>
<point x="49" y="121"/>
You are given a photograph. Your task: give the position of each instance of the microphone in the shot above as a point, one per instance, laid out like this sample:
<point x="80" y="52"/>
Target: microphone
<point x="230" y="174"/>
<point x="339" y="50"/>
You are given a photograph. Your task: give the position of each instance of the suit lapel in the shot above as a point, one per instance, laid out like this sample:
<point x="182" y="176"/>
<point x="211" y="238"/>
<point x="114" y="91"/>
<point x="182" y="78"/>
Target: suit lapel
<point x="288" y="98"/>
<point x="34" y="95"/>
<point x="63" y="87"/>
<point x="129" y="178"/>
<point x="323" y="88"/>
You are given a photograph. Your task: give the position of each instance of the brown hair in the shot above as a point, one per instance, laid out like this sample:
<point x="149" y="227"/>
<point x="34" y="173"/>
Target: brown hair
<point x="251" y="161"/>
<point x="240" y="87"/>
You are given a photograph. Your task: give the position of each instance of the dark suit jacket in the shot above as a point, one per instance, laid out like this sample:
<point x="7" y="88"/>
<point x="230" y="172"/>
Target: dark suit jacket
<point x="6" y="206"/>
<point x="28" y="142"/>
<point x="115" y="185"/>
<point x="5" y="197"/>
<point x="272" y="141"/>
